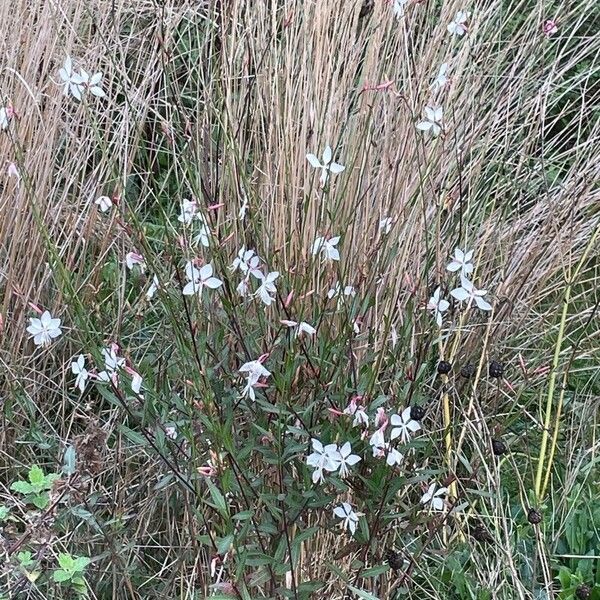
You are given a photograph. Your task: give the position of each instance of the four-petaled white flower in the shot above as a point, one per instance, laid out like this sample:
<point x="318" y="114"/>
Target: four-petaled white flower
<point x="336" y="291"/>
<point x="347" y="458"/>
<point x="44" y="329"/>
<point x="72" y="81"/>
<point x="385" y="224"/>
<point x="433" y="497"/>
<point x="255" y="371"/>
<point x="199" y="278"/>
<point x="112" y="363"/>
<point x="267" y="287"/>
<point x="133" y="258"/>
<point x="92" y="83"/>
<point x="302" y="327"/>
<point x="377" y="442"/>
<point x="327" y="165"/>
<point x="467" y="291"/>
<point x="350" y="518"/>
<point x="462" y="262"/>
<point x="246" y="261"/>
<point x="327" y="247"/>
<point x="78" y="368"/>
<point x="458" y="26"/>
<point x="403" y="426"/>
<point x="104" y="203"/>
<point x="393" y="457"/>
<point x="189" y="209"/>
<point x="432" y="121"/>
<point x="398" y="8"/>
<point x="360" y="416"/>
<point x="439" y="83"/>
<point x="438" y="305"/>
<point x="323" y="458"/>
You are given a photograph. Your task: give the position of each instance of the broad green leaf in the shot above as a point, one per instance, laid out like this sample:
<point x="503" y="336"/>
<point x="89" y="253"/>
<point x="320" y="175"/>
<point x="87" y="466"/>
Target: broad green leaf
<point x="80" y="563"/>
<point x="22" y="487"/>
<point x="36" y="476"/>
<point x="60" y="576"/>
<point x="66" y="562"/>
<point x="362" y="593"/>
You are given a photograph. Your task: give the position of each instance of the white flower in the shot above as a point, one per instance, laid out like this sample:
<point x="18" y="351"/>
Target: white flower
<point x="323" y="458"/>
<point x="439" y="83"/>
<point x="302" y="327"/>
<point x="360" y="416"/>
<point x="438" y="306"/>
<point x="398" y="8"/>
<point x="327" y="248"/>
<point x="377" y="442"/>
<point x="350" y="518"/>
<point x="385" y="224"/>
<point x="462" y="262"/>
<point x="467" y="291"/>
<point x="327" y="166"/>
<point x="458" y="26"/>
<point x="403" y="426"/>
<point x="433" y="497"/>
<point x="189" y="209"/>
<point x="133" y="258"/>
<point x="104" y="203"/>
<point x="255" y="371"/>
<point x="44" y="329"/>
<point x="432" y="121"/>
<point x="78" y="368"/>
<point x="199" y="278"/>
<point x="267" y="287"/>
<point x="6" y="114"/>
<point x="347" y="458"/>
<point x="242" y="288"/>
<point x="245" y="261"/>
<point x="136" y="383"/>
<point x="92" y="83"/>
<point x="72" y="81"/>
<point x="112" y="363"/>
<point x="154" y="285"/>
<point x="203" y="236"/>
<point x="393" y="457"/>
<point x="336" y="291"/>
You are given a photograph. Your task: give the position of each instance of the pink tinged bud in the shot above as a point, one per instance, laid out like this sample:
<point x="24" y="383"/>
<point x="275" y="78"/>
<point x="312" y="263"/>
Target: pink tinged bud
<point x="335" y="412"/>
<point x="288" y="300"/>
<point x="206" y="471"/>
<point x="549" y="27"/>
<point x="263" y="357"/>
<point x="35" y="308"/>
<point x="215" y="206"/>
<point x="381" y="419"/>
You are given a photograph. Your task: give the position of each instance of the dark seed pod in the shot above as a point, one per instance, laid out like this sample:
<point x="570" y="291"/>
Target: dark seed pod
<point x="499" y="447"/>
<point x="534" y="516"/>
<point x="496" y="369"/>
<point x="481" y="534"/>
<point x="366" y="8"/>
<point x="467" y="371"/>
<point x="583" y="592"/>
<point x="417" y="412"/>
<point x="444" y="367"/>
<point x="393" y="559"/>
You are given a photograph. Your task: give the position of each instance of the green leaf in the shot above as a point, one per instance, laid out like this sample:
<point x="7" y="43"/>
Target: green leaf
<point x="36" y="476"/>
<point x="362" y="593"/>
<point x="40" y="500"/>
<point x="218" y="499"/>
<point x="224" y="543"/>
<point x="4" y="512"/>
<point x="133" y="436"/>
<point x="22" y="487"/>
<point x="375" y="571"/>
<point x="60" y="576"/>
<point x="80" y="563"/>
<point x="66" y="562"/>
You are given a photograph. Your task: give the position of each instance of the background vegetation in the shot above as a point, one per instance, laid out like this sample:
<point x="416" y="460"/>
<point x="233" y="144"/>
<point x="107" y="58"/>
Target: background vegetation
<point x="220" y="102"/>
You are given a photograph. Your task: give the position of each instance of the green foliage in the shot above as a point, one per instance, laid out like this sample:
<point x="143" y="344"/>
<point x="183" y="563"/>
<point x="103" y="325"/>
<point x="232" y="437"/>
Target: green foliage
<point x="71" y="572"/>
<point x="35" y="488"/>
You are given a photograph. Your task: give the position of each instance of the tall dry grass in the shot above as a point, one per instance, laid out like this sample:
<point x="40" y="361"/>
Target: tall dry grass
<point x="235" y="93"/>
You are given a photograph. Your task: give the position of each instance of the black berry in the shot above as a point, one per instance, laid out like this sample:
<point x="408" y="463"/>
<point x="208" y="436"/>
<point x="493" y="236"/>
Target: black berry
<point x="467" y="371"/>
<point x="444" y="367"/>
<point x="583" y="592"/>
<point x="393" y="559"/>
<point x="417" y="412"/>
<point x="496" y="369"/>
<point x="534" y="516"/>
<point x="499" y="447"/>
